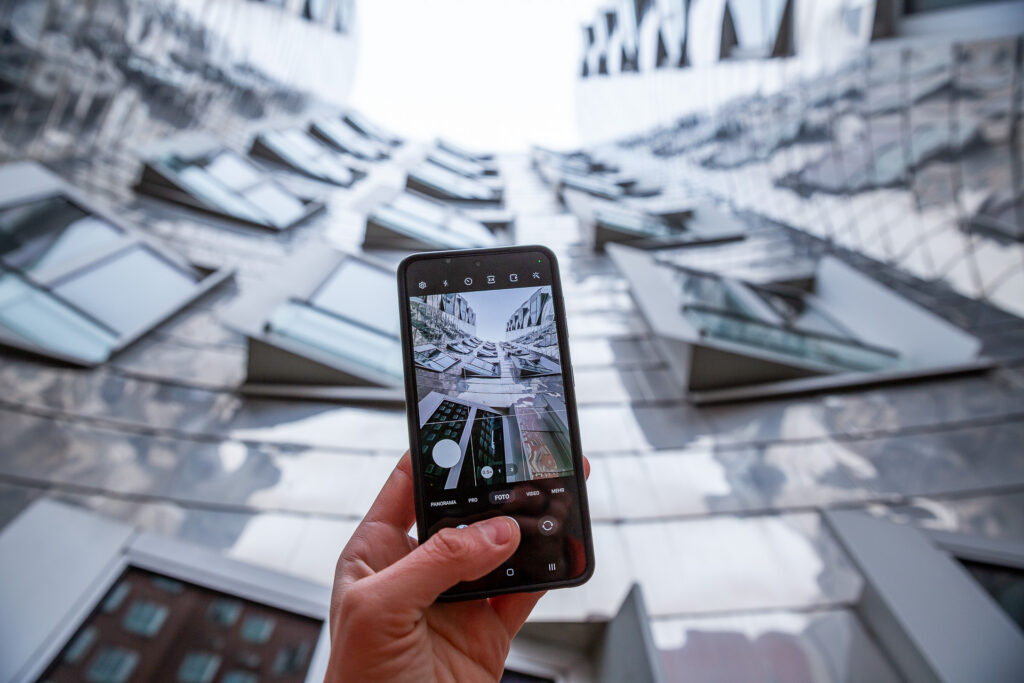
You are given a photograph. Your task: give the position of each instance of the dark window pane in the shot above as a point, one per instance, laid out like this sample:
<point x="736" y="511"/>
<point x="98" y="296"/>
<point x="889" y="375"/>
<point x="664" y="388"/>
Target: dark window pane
<point x="49" y="232"/>
<point x="1004" y="584"/>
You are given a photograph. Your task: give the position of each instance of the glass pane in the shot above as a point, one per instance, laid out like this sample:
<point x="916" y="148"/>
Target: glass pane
<point x="418" y="206"/>
<point x="420" y="228"/>
<point x="631" y="221"/>
<point x="362" y="293"/>
<point x="232" y="171"/>
<point x="34" y="316"/>
<point x="451" y="183"/>
<point x="306" y="154"/>
<point x="208" y="189"/>
<point x="339" y="337"/>
<point x="280" y="207"/>
<point x="145" y="618"/>
<point x="51" y="231"/>
<point x="474" y="230"/>
<point x="1004" y="584"/>
<point x="130" y="290"/>
<point x="348" y="139"/>
<point x="837" y="354"/>
<point x="454" y="163"/>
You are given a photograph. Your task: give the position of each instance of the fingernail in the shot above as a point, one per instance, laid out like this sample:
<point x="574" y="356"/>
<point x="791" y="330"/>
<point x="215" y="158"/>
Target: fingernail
<point x="498" y="530"/>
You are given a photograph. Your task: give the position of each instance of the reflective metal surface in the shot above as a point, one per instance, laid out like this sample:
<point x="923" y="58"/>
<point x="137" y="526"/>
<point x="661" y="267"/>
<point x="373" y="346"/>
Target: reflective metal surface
<point x="715" y="510"/>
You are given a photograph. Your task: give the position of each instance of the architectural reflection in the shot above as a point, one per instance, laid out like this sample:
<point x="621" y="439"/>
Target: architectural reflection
<point x="793" y="275"/>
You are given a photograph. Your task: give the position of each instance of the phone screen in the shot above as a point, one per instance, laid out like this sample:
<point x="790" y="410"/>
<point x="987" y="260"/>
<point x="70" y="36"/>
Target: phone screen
<point x="495" y="422"/>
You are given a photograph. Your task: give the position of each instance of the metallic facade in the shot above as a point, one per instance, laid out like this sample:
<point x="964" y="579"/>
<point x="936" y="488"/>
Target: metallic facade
<point x="717" y="511"/>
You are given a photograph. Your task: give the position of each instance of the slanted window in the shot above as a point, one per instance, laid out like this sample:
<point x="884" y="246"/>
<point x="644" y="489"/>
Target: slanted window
<point x="431" y="223"/>
<point x="77" y="285"/>
<point x="351" y="316"/>
<point x="370" y="129"/>
<point x="345" y="138"/>
<point x="776" y="322"/>
<point x="441" y="182"/>
<point x="226" y="183"/>
<point x="429" y="357"/>
<point x="304" y="154"/>
<point x="455" y="163"/>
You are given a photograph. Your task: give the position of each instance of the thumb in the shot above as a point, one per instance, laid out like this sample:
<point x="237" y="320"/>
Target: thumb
<point x="445" y="559"/>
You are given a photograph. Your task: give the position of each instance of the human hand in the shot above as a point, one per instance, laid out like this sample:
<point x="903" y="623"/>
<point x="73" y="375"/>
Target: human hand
<point x="384" y="622"/>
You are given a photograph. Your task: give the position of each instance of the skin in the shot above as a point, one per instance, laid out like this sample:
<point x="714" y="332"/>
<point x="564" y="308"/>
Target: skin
<point x="385" y="625"/>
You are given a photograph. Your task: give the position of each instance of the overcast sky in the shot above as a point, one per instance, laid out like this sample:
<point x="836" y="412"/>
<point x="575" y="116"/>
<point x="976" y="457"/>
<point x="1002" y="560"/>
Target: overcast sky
<point x="490" y="74"/>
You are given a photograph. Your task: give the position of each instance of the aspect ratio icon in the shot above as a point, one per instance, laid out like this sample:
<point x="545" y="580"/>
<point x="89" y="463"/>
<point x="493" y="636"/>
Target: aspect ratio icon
<point x="468" y="281"/>
<point x="490" y="279"/>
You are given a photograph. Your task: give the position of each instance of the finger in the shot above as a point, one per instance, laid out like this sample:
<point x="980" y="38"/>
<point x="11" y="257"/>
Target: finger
<point x="394" y="504"/>
<point x="445" y="559"/>
<point x="514" y="609"/>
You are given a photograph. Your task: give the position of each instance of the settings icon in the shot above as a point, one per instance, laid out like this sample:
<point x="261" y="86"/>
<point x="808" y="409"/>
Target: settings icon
<point x="423" y="285"/>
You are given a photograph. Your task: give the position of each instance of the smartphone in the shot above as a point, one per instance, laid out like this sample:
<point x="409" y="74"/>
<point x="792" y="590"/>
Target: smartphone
<point x="493" y="428"/>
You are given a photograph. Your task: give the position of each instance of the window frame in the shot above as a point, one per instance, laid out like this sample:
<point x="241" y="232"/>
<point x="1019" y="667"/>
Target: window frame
<point x="158" y="182"/>
<point x="27" y="182"/>
<point x="118" y="546"/>
<point x="913" y="581"/>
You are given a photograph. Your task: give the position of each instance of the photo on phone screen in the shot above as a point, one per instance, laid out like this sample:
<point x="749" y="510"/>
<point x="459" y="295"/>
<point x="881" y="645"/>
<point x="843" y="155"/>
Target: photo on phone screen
<point x="489" y="379"/>
<point x="493" y="419"/>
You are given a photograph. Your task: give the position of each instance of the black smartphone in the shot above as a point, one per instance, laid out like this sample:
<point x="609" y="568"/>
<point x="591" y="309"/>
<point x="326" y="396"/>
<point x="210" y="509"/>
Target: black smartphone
<point x="493" y="428"/>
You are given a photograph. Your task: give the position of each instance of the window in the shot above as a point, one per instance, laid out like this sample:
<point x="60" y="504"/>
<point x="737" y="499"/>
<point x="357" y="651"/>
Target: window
<point x="304" y="154"/>
<point x="344" y="138"/>
<point x="1004" y="584"/>
<point x="31" y="315"/>
<point x="224" y="612"/>
<point x="257" y="629"/>
<point x="291" y="659"/>
<point x="337" y="336"/>
<point x="370" y="129"/>
<point x="78" y="286"/>
<point x="116" y="597"/>
<point x="80" y="645"/>
<point x="431" y="223"/>
<point x="112" y="665"/>
<point x="41" y="235"/>
<point x="236" y="676"/>
<point x="456" y="164"/>
<point x="145" y="618"/>
<point x="198" y="667"/>
<point x="228" y="184"/>
<point x="446" y="184"/>
<point x="353" y="316"/>
<point x="125" y="289"/>
<point x="429" y="357"/>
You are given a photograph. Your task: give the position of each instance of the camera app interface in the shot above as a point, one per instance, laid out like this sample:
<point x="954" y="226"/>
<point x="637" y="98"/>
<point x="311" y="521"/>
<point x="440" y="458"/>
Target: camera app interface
<point x="493" y="425"/>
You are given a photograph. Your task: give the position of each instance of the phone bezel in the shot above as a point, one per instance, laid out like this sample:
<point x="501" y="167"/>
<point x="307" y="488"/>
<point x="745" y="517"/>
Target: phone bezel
<point x="570" y="402"/>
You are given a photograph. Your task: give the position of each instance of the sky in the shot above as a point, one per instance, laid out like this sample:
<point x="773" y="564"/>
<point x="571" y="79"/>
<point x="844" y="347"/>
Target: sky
<point x="488" y="74"/>
<point x="493" y="309"/>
